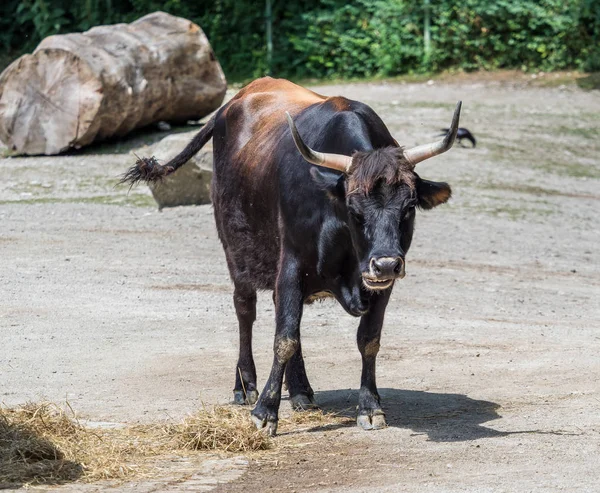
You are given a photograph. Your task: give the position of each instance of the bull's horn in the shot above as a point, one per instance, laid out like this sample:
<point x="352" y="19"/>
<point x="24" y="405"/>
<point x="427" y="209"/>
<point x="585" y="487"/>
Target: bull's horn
<point x="338" y="162"/>
<point x="425" y="151"/>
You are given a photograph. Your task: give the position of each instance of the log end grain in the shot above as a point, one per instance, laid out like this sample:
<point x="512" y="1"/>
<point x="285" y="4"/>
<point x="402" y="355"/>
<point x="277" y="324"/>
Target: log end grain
<point x="48" y="100"/>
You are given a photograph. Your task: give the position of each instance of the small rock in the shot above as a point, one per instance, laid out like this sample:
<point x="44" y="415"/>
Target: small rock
<point x="190" y="185"/>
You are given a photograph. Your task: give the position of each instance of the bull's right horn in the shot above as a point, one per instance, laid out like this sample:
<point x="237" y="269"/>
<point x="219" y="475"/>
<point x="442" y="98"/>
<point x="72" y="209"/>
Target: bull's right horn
<point x="425" y="151"/>
<point x="338" y="162"/>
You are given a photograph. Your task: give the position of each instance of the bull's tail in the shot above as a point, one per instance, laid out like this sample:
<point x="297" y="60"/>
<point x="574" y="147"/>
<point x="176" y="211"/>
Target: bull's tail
<point x="149" y="170"/>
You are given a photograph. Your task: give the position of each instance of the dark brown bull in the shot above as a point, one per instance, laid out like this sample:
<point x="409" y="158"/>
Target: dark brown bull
<point x="340" y="227"/>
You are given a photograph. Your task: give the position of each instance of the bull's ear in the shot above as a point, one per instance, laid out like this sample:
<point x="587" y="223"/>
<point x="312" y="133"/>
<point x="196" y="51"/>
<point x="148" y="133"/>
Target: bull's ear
<point x="432" y="193"/>
<point x="331" y="182"/>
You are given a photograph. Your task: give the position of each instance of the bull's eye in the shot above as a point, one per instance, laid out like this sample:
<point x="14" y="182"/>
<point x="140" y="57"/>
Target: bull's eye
<point x="409" y="211"/>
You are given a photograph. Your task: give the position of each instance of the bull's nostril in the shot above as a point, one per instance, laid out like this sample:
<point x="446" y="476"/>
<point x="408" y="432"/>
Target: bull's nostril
<point x="385" y="267"/>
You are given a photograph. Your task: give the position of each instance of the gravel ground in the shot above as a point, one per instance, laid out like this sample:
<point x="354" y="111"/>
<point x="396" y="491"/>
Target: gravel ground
<point x="489" y="366"/>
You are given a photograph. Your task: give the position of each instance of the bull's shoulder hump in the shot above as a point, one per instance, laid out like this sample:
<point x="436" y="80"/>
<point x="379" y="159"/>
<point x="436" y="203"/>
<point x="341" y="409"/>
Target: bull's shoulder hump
<point x="281" y="92"/>
<point x="339" y="103"/>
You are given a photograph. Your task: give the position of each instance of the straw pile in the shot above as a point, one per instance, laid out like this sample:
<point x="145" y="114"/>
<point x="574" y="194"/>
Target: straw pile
<point x="44" y="443"/>
<point x="220" y="428"/>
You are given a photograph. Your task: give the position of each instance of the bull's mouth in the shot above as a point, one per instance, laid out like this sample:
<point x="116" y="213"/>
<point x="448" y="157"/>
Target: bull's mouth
<point x="376" y="284"/>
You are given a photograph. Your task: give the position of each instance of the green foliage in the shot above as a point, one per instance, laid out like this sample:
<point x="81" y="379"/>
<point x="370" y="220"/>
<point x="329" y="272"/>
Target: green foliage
<point x="358" y="39"/>
<point x="338" y="38"/>
<point x="588" y="16"/>
<point x="540" y="34"/>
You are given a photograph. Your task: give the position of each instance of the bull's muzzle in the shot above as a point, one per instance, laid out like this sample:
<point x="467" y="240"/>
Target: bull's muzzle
<point x="383" y="271"/>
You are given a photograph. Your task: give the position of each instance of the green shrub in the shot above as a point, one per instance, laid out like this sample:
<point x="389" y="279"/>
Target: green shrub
<point x="337" y="38"/>
<point x="528" y="34"/>
<point x="359" y="39"/>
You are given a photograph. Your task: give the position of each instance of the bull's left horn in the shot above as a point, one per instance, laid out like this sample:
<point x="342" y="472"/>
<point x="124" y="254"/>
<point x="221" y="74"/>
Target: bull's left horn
<point x="338" y="162"/>
<point x="425" y="151"/>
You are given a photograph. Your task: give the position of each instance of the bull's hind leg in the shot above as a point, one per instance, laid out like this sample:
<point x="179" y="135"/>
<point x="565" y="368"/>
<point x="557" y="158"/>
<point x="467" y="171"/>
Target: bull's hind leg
<point x="289" y="304"/>
<point x="244" y="300"/>
<point x="301" y="393"/>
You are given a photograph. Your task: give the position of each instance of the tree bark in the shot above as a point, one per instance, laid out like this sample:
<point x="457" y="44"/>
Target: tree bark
<point x="78" y="88"/>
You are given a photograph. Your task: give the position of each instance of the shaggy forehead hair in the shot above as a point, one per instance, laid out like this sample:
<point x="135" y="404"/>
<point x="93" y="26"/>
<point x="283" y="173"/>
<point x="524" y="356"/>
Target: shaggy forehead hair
<point x="388" y="164"/>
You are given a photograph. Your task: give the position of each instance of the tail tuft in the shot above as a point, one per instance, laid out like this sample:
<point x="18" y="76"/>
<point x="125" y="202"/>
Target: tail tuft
<point x="147" y="170"/>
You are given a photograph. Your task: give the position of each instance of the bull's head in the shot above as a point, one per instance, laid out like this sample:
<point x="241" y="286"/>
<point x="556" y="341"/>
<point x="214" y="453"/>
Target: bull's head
<point x="381" y="191"/>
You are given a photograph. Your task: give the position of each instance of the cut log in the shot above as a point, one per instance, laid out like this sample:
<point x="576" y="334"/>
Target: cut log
<point x="78" y="88"/>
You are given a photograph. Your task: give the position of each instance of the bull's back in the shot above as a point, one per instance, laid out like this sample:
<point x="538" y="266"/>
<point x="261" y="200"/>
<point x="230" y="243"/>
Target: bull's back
<point x="244" y="189"/>
<point x="256" y="119"/>
<point x="248" y="152"/>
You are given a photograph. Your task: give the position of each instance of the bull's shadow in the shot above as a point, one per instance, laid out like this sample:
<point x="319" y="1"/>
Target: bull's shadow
<point x="443" y="417"/>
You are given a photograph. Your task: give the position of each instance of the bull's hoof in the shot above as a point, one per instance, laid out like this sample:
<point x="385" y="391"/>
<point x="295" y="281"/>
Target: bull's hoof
<point x="373" y="421"/>
<point x="303" y="402"/>
<point x="248" y="398"/>
<point x="268" y="424"/>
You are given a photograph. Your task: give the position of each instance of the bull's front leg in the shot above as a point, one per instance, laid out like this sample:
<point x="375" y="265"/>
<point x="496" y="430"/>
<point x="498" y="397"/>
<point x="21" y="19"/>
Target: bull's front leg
<point x="370" y="415"/>
<point x="288" y="312"/>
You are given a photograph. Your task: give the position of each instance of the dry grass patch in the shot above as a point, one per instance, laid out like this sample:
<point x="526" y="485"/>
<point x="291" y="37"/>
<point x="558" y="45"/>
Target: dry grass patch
<point x="45" y="443"/>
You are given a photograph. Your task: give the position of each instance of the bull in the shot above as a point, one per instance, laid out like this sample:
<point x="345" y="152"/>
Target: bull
<point x="308" y="224"/>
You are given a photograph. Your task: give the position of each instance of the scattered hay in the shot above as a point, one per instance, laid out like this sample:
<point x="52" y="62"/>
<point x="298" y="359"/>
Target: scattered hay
<point x="316" y="419"/>
<point x="44" y="443"/>
<point x="228" y="429"/>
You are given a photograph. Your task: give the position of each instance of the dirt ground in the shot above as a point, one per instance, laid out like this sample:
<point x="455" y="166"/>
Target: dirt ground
<point x="490" y="359"/>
